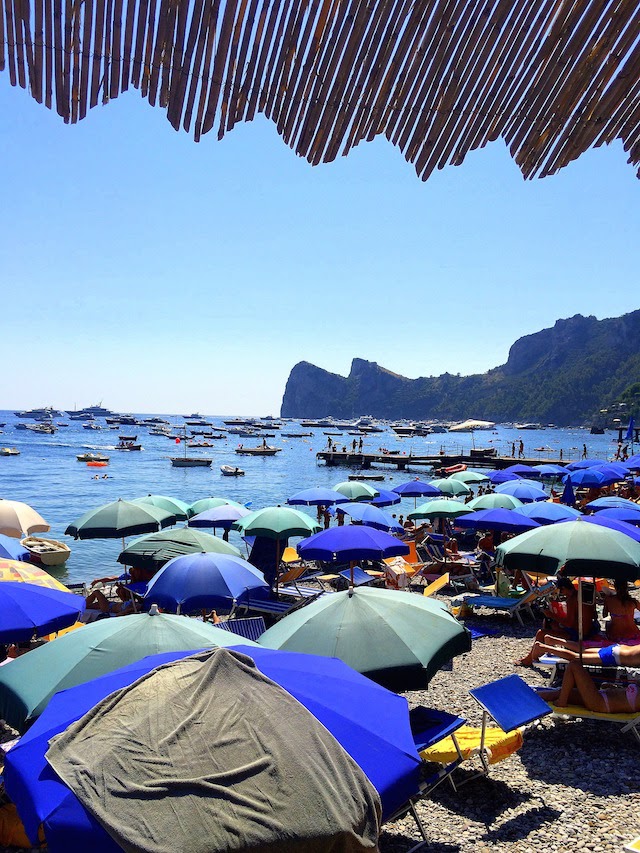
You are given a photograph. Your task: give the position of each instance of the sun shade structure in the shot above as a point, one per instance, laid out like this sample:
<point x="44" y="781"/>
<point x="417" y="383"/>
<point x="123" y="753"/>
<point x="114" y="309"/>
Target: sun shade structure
<point x="438" y="80"/>
<point x="371" y="516"/>
<point x="396" y="639"/>
<point x="12" y="570"/>
<point x="317" y="497"/>
<point x="352" y="542"/>
<point x="416" y="489"/>
<point x="370" y="724"/>
<point x="156" y="549"/>
<point x="176" y="507"/>
<point x="119" y="519"/>
<point x="27" y="684"/>
<point x="576" y="547"/>
<point x="18" y="519"/>
<point x="276" y="522"/>
<point x="441" y="509"/>
<point x="28" y="610"/>
<point x="354" y="490"/>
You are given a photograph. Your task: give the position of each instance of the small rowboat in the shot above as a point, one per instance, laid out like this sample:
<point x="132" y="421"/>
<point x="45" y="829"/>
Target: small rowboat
<point x="258" y="451"/>
<point x="48" y="552"/>
<point x="231" y="471"/>
<point x="9" y="451"/>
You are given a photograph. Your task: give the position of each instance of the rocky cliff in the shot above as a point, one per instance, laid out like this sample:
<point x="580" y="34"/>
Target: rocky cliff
<point x="561" y="375"/>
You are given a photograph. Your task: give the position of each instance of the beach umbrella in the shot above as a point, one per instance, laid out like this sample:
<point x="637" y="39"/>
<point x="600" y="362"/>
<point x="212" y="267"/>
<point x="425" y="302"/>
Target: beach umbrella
<point x="501" y="520"/>
<point x="629" y="516"/>
<point x="568" y="497"/>
<point x="10" y="549"/>
<point x="526" y="471"/>
<point x="317" y="497"/>
<point x="576" y="547"/>
<point x="503" y="477"/>
<point x="386" y="497"/>
<point x="469" y="477"/>
<point x="195" y="581"/>
<point x="221" y="516"/>
<point x="550" y="470"/>
<point x="371" y="516"/>
<point x="589" y="478"/>
<point x="29" y="682"/>
<point x="370" y="723"/>
<point x="151" y="552"/>
<point x="614" y="524"/>
<point x="28" y="610"/>
<point x="349" y="543"/>
<point x="210" y="503"/>
<point x="18" y="519"/>
<point x="613" y="469"/>
<point x="579" y="464"/>
<point x="14" y="570"/>
<point x="440" y="509"/>
<point x="396" y="639"/>
<point x="633" y="462"/>
<point x="524" y="491"/>
<point x="454" y="488"/>
<point x="355" y="490"/>
<point x="416" y="489"/>
<point x="176" y="507"/>
<point x="276" y="522"/>
<point x="119" y="519"/>
<point x="547" y="512"/>
<point x="493" y="502"/>
<point x="610" y="502"/>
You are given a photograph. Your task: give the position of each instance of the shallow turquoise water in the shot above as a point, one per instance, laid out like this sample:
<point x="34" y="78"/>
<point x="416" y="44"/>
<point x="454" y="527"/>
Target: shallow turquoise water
<point x="48" y="477"/>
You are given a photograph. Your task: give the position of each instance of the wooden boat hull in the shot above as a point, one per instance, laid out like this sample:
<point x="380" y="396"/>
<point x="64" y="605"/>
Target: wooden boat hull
<point x="186" y="462"/>
<point x="48" y="552"/>
<point x="258" y="451"/>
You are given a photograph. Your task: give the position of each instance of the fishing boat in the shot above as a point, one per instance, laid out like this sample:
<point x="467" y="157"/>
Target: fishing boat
<point x="185" y="461"/>
<point x="264" y="450"/>
<point x="9" y="451"/>
<point x="231" y="471"/>
<point x="92" y="457"/>
<point x="48" y="552"/>
<point x="128" y="445"/>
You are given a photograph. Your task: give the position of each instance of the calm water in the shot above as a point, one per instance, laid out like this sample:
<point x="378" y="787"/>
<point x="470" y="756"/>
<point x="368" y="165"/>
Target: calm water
<point x="48" y="477"/>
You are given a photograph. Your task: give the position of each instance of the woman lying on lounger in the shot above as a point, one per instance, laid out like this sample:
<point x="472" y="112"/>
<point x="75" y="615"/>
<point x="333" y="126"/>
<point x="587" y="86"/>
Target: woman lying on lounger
<point x="578" y="688"/>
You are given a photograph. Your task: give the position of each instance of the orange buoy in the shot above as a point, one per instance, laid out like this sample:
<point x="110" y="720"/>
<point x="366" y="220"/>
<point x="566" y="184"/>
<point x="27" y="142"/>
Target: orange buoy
<point x="96" y="464"/>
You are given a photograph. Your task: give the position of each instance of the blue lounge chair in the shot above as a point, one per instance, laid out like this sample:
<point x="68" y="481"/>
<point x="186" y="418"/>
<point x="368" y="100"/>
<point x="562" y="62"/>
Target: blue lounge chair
<point x="512" y="606"/>
<point x="360" y="577"/>
<point x="250" y="628"/>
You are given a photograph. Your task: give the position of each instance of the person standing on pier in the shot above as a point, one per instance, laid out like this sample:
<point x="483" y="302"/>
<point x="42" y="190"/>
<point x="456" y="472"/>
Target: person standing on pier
<point x="521" y="449"/>
<point x="584" y="451"/>
<point x="353" y="445"/>
<point x="513" y="449"/>
<point x="360" y="445"/>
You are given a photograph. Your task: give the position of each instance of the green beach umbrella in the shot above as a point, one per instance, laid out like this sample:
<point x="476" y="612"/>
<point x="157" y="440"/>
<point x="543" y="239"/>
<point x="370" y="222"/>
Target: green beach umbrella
<point x="469" y="477"/>
<point x="119" y="519"/>
<point x="441" y="508"/>
<point x="450" y="487"/>
<point x="356" y="490"/>
<point x="494" y="501"/>
<point x="577" y="547"/>
<point x="156" y="549"/>
<point x="396" y="639"/>
<point x="31" y="680"/>
<point x="210" y="503"/>
<point x="276" y="522"/>
<point x="180" y="509"/>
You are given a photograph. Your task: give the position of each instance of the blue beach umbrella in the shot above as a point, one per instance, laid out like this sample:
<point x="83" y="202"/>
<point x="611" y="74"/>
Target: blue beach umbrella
<point x="27" y="610"/>
<point x="550" y="470"/>
<point x="372" y="516"/>
<point x="633" y="462"/>
<point x="11" y="549"/>
<point x="497" y="477"/>
<point x="526" y="471"/>
<point x="352" y="542"/>
<point x="589" y="478"/>
<point x="610" y="501"/>
<point x="568" y="496"/>
<point x="613" y="469"/>
<point x="416" y="489"/>
<point x="203" y="580"/>
<point x="579" y="464"/>
<point x="523" y="491"/>
<point x="386" y="498"/>
<point x="547" y="512"/>
<point x="629" y="516"/>
<point x="501" y="520"/>
<point x="368" y="721"/>
<point x="317" y="497"/>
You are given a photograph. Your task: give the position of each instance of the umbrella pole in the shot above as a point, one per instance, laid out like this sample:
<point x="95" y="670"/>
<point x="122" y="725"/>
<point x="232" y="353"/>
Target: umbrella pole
<point x="277" y="563"/>
<point x="580" y="625"/>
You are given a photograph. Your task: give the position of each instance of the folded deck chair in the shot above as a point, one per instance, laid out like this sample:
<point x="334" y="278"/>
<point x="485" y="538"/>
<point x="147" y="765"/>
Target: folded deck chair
<point x="512" y="606"/>
<point x="512" y="704"/>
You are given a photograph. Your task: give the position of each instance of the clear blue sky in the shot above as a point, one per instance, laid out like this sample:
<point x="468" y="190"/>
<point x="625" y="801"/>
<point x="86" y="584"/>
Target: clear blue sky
<point x="154" y="274"/>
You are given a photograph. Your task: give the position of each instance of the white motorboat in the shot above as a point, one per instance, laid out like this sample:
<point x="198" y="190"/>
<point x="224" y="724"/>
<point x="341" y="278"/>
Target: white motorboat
<point x="231" y="471"/>
<point x="9" y="451"/>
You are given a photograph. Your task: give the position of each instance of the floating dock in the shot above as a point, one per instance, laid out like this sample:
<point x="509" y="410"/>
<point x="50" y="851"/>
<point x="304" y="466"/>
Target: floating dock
<point x="402" y="460"/>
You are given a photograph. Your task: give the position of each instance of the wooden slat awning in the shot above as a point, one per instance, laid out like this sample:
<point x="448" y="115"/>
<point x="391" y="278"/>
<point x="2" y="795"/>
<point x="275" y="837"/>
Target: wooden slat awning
<point x="438" y="78"/>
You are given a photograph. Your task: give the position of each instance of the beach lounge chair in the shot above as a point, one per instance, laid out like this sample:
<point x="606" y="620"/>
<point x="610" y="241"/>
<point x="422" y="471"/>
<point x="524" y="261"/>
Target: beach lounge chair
<point x="513" y="606"/>
<point x="360" y="577"/>
<point x="511" y="704"/>
<point x="250" y="627"/>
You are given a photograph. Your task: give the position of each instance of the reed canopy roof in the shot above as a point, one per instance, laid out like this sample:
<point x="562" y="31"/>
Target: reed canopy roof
<point x="438" y="78"/>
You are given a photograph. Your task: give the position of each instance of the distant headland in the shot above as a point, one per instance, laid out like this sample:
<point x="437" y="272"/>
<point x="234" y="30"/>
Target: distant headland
<point x="563" y="375"/>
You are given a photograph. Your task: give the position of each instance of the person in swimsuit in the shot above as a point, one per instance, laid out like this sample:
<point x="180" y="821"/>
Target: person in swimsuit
<point x="621" y="609"/>
<point x="616" y="655"/>
<point x="578" y="688"/>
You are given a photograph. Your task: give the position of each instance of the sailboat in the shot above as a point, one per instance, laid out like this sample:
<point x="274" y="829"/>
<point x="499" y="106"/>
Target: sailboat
<point x="189" y="461"/>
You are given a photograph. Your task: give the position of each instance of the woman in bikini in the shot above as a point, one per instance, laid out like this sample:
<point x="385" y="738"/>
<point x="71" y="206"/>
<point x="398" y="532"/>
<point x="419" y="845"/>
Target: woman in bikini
<point x="578" y="688"/>
<point x="621" y="609"/>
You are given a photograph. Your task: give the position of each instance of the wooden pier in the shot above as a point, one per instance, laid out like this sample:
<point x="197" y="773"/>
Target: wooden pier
<point x="401" y="460"/>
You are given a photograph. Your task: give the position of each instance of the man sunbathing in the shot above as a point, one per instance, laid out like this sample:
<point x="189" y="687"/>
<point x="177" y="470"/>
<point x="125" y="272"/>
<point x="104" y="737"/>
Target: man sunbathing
<point x="616" y="655"/>
<point x="578" y="688"/>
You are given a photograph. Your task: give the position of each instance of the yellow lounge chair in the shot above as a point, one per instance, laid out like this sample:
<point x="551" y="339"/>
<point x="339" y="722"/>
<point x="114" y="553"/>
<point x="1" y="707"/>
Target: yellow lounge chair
<point x="630" y="722"/>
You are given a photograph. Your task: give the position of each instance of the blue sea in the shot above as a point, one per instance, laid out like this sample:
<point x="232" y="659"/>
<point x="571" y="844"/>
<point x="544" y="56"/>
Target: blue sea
<point x="47" y="475"/>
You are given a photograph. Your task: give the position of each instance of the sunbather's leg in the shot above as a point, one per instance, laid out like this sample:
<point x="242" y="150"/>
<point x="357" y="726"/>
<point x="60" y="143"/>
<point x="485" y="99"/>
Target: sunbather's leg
<point x="575" y="677"/>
